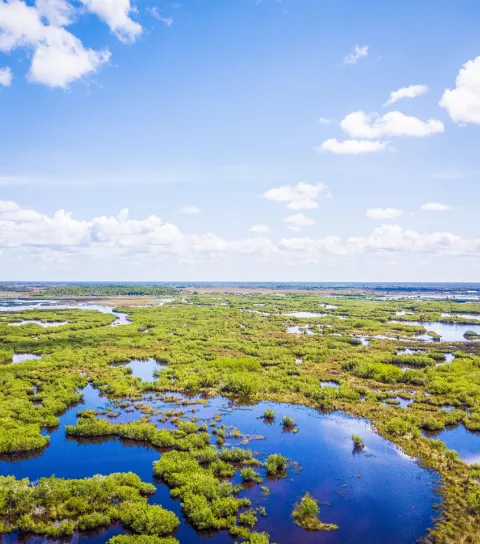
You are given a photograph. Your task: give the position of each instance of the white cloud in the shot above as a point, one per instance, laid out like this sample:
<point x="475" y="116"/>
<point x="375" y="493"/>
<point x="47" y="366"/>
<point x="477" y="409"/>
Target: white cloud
<point x="356" y="55"/>
<point x="8" y="206"/>
<point x="299" y="220"/>
<point x="394" y="238"/>
<point x="302" y="196"/>
<point x="383" y="213"/>
<point x="259" y="228"/>
<point x="352" y="147"/>
<point x="324" y="121"/>
<point x="61" y="236"/>
<point x="56" y="12"/>
<point x="116" y="13"/>
<point x="463" y="102"/>
<point x="360" y="125"/>
<point x="406" y="92"/>
<point x="5" y="76"/>
<point x="155" y="13"/>
<point x="59" y="58"/>
<point x="64" y="60"/>
<point x="190" y="210"/>
<point x="434" y="207"/>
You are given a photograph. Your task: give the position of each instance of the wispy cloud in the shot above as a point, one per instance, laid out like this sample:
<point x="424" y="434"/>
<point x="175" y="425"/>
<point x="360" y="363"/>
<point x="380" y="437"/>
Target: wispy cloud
<point x="357" y="54"/>
<point x="383" y="213"/>
<point x="155" y="13"/>
<point x="406" y="92"/>
<point x="352" y="147"/>
<point x="434" y="207"/>
<point x="190" y="210"/>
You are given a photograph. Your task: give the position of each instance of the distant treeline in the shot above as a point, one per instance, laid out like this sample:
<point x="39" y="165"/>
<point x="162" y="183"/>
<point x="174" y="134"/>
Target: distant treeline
<point x="105" y="290"/>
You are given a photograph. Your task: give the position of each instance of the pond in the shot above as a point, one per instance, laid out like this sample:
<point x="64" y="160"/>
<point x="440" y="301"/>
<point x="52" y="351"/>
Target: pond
<point x="449" y="332"/>
<point x="399" y="401"/>
<point x="465" y="442"/>
<point x="144" y="369"/>
<point x="462" y="316"/>
<point x="45" y="324"/>
<point x="20" y="357"/>
<point x="364" y="341"/>
<point x="352" y="486"/>
<point x="329" y="384"/>
<point x="305" y="314"/>
<point x="15" y="305"/>
<point x="408" y="351"/>
<point x="299" y="330"/>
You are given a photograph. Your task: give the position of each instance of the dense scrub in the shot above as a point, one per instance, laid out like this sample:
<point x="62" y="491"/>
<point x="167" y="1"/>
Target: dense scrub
<point x="58" y="508"/>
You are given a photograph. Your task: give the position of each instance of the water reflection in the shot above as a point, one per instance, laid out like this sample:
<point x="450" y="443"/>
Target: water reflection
<point x="465" y="442"/>
<point x="45" y="324"/>
<point x="448" y="332"/>
<point x="353" y="486"/>
<point x="299" y="330"/>
<point x="144" y="369"/>
<point x="20" y="357"/>
<point x="16" y="305"/>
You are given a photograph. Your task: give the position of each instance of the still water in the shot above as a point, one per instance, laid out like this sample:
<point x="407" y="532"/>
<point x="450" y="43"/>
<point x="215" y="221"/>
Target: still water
<point x="351" y="486"/>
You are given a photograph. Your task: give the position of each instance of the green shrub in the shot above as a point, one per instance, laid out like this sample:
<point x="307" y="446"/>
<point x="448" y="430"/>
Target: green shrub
<point x="357" y="442"/>
<point x="250" y="475"/>
<point x="142" y="539"/>
<point x="269" y="414"/>
<point x="149" y="519"/>
<point x="305" y="515"/>
<point x="275" y="463"/>
<point x="288" y="421"/>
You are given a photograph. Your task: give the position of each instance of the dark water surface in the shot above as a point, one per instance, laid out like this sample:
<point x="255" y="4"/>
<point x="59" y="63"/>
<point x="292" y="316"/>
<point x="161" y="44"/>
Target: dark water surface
<point x="378" y="495"/>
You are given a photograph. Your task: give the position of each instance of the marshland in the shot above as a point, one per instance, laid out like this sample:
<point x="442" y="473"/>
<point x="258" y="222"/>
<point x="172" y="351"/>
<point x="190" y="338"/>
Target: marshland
<point x="183" y="415"/>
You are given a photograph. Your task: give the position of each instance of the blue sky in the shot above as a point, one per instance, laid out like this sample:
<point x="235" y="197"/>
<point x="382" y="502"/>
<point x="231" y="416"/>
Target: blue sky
<point x="203" y="117"/>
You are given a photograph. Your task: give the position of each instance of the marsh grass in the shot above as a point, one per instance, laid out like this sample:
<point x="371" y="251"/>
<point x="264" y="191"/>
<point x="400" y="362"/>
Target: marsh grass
<point x="305" y="514"/>
<point x="207" y="353"/>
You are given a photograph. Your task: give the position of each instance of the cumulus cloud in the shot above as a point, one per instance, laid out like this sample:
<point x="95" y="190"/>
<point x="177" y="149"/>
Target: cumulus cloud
<point x="352" y="147"/>
<point x="463" y="102"/>
<point x="6" y="77"/>
<point x="190" y="210"/>
<point x="63" y="236"/>
<point x="406" y="92"/>
<point x="56" y="12"/>
<point x="116" y="13"/>
<point x="59" y="57"/>
<point x="383" y="213"/>
<point x="259" y="228"/>
<point x="357" y="54"/>
<point x="63" y="60"/>
<point x="298" y="220"/>
<point x="395" y="123"/>
<point x="434" y="207"/>
<point x="302" y="196"/>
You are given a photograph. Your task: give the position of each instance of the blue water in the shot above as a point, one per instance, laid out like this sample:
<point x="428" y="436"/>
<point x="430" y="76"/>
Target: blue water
<point x="465" y="442"/>
<point x="15" y="305"/>
<point x="144" y="369"/>
<point x="354" y="485"/>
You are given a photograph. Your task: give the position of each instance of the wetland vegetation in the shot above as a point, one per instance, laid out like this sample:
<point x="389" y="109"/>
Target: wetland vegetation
<point x="212" y="396"/>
